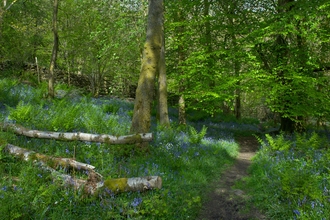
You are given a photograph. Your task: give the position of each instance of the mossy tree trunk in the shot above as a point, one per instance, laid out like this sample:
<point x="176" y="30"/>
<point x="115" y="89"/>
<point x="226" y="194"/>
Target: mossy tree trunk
<point x="54" y="52"/>
<point x="162" y="113"/>
<point x="150" y="63"/>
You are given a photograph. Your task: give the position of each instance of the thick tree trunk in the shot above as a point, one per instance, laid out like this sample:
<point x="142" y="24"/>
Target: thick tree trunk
<point x="67" y="136"/>
<point x="141" y="121"/>
<point x="95" y="182"/>
<point x="54" y="52"/>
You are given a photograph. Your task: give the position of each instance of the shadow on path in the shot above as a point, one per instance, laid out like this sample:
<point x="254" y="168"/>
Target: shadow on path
<point x="227" y="203"/>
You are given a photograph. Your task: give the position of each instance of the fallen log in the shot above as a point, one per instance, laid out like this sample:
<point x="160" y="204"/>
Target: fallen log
<point x="95" y="182"/>
<point x="73" y="136"/>
<point x="53" y="162"/>
<point x="133" y="184"/>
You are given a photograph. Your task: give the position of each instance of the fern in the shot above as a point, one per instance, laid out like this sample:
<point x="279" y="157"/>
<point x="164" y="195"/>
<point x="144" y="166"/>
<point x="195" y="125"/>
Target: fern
<point x="194" y="136"/>
<point x="278" y="144"/>
<point x="22" y="113"/>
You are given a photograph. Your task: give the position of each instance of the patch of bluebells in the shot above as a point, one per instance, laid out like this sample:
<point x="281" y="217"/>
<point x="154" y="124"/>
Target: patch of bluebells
<point x="25" y="92"/>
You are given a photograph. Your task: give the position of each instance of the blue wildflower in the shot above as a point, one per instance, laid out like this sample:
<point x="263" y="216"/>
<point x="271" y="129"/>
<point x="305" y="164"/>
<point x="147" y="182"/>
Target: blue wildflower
<point x="136" y="202"/>
<point x="296" y="212"/>
<point x="313" y="204"/>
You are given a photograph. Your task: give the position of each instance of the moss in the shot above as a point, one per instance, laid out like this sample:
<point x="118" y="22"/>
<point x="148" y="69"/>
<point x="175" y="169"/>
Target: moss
<point x="107" y="140"/>
<point x="134" y="139"/>
<point x="116" y="185"/>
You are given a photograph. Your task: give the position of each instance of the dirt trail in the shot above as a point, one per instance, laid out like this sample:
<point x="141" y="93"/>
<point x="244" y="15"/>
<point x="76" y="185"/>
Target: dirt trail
<point x="226" y="203"/>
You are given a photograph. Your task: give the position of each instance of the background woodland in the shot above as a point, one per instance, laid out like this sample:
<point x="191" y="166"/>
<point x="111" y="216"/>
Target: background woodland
<point x="265" y="59"/>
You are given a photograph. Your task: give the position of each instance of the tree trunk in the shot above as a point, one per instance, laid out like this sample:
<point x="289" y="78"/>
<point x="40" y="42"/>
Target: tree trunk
<point x="103" y="138"/>
<point x="238" y="113"/>
<point x="287" y="125"/>
<point x="236" y="64"/>
<point x="208" y="44"/>
<point x="54" y="52"/>
<point x="181" y="58"/>
<point x="141" y="121"/>
<point x="182" y="110"/>
<point x="162" y="87"/>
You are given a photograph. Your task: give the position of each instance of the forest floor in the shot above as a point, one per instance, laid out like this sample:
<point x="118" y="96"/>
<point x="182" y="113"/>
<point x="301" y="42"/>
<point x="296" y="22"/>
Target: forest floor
<point x="226" y="202"/>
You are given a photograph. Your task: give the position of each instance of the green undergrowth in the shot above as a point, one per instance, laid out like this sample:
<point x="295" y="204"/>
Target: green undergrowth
<point x="290" y="177"/>
<point x="186" y="159"/>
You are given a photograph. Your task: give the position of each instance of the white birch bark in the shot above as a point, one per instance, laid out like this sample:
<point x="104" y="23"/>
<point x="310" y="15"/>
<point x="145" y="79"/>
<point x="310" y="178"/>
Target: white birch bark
<point x="68" y="136"/>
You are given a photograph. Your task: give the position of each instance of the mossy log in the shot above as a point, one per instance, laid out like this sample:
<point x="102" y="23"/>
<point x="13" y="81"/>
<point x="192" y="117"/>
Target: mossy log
<point x="67" y="136"/>
<point x="95" y="183"/>
<point x="133" y="184"/>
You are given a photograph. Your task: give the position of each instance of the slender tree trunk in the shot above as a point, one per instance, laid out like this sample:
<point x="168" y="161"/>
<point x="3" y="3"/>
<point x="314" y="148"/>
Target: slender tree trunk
<point x="236" y="64"/>
<point x="238" y="113"/>
<point x="2" y="9"/>
<point x="141" y="121"/>
<point x="208" y="42"/>
<point x="162" y="87"/>
<point x="54" y="52"/>
<point x="182" y="102"/>
<point x="38" y="71"/>
<point x="181" y="57"/>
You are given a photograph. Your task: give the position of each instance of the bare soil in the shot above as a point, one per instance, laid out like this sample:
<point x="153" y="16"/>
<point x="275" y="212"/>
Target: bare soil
<point x="225" y="202"/>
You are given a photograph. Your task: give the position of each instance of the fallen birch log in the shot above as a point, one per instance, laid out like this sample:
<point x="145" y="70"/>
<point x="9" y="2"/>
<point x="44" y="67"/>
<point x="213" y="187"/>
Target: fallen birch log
<point x="133" y="184"/>
<point x="95" y="182"/>
<point x="68" y="136"/>
<point x="53" y="162"/>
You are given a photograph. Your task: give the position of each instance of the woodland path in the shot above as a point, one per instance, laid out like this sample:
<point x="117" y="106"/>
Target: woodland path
<point x="226" y="203"/>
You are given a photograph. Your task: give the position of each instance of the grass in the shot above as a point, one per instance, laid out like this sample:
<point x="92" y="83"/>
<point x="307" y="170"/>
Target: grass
<point x="187" y="159"/>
